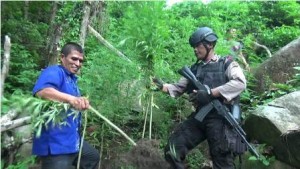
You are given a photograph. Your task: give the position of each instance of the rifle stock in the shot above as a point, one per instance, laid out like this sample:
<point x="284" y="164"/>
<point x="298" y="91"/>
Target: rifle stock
<point x="221" y="109"/>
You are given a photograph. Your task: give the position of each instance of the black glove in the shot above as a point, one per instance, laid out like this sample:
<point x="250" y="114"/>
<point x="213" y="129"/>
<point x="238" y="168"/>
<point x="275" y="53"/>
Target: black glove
<point x="201" y="97"/>
<point x="158" y="83"/>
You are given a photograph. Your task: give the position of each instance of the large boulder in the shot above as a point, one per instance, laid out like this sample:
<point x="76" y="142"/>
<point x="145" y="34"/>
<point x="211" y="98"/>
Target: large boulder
<point x="278" y="68"/>
<point x="278" y="125"/>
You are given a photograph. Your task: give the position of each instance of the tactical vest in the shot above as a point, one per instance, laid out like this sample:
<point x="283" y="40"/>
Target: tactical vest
<point x="211" y="74"/>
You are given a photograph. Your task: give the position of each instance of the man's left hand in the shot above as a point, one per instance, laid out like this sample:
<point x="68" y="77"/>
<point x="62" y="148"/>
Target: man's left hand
<point x="202" y="96"/>
<point x="159" y="83"/>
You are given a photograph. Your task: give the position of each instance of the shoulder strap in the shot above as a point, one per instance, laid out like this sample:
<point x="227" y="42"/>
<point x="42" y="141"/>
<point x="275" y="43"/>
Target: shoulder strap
<point x="227" y="60"/>
<point x="224" y="63"/>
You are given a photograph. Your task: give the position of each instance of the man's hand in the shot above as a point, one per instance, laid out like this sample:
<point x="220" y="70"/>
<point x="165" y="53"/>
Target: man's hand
<point x="80" y="103"/>
<point x="201" y="97"/>
<point x="158" y="83"/>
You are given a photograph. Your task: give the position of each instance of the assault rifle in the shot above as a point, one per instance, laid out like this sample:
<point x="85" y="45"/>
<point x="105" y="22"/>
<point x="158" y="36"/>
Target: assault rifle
<point x="221" y="108"/>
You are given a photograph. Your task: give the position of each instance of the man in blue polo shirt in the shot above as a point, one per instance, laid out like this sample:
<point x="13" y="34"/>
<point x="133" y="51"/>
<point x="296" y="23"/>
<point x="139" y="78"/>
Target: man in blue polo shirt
<point x="58" y="146"/>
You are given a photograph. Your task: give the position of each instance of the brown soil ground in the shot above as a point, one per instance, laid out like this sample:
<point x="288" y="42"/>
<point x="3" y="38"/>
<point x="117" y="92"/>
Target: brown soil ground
<point x="146" y="155"/>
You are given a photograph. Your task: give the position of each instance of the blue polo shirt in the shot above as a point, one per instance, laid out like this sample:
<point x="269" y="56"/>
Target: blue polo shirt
<point x="59" y="139"/>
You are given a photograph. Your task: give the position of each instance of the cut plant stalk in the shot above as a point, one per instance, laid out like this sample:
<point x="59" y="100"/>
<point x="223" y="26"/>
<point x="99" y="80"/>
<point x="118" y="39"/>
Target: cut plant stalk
<point x="112" y="125"/>
<point x="151" y="111"/>
<point x="145" y="121"/>
<point x="82" y="138"/>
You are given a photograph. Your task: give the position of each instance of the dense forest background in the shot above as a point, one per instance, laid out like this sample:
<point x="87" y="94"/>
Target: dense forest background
<point x="153" y="40"/>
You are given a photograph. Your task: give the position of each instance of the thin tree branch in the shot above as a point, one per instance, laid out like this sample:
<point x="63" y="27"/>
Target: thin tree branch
<point x="12" y="143"/>
<point x="263" y="46"/>
<point x="244" y="61"/>
<point x="11" y="114"/>
<point x="15" y="123"/>
<point x="106" y="43"/>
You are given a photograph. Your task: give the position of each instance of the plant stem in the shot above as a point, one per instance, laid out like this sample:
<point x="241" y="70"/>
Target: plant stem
<point x="111" y="124"/>
<point x="145" y="121"/>
<point x="150" y="121"/>
<point x="82" y="138"/>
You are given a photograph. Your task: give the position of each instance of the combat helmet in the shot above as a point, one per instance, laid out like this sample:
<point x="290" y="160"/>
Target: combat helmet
<point x="202" y="34"/>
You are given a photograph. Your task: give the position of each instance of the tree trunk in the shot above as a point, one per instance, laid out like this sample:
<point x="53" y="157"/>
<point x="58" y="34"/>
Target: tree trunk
<point x="85" y="22"/>
<point x="96" y="16"/>
<point x="26" y="7"/>
<point x="54" y="35"/>
<point x="5" y="66"/>
<point x="53" y="52"/>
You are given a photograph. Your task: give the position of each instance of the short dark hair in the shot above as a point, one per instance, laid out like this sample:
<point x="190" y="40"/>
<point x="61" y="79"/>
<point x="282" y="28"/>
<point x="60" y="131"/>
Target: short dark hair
<point x="68" y="47"/>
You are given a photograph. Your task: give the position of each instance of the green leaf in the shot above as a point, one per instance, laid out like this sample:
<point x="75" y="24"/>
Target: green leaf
<point x="252" y="158"/>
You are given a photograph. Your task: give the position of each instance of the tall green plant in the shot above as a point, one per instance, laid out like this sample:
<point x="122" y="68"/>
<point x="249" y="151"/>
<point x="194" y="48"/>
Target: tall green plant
<point x="22" y="73"/>
<point x="69" y="16"/>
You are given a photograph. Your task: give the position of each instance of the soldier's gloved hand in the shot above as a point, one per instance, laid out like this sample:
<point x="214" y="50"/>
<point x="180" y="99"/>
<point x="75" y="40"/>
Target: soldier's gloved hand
<point x="193" y="99"/>
<point x="158" y="83"/>
<point x="202" y="96"/>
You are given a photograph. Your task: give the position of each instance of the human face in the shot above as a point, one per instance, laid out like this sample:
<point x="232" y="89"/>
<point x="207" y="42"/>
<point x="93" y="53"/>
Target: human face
<point x="73" y="61"/>
<point x="232" y="32"/>
<point x="200" y="51"/>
